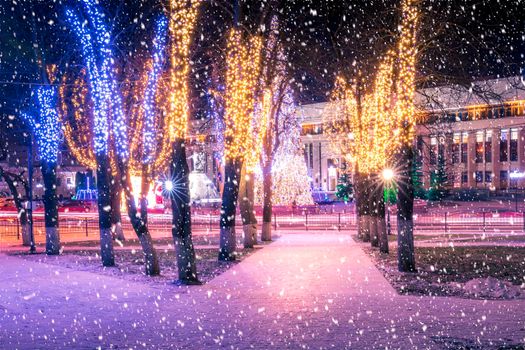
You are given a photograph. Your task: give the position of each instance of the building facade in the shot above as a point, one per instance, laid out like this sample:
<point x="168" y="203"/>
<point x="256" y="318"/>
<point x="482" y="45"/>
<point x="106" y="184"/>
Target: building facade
<point x="475" y="134"/>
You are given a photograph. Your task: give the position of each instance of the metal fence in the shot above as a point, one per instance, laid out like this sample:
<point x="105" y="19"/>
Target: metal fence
<point x="160" y="225"/>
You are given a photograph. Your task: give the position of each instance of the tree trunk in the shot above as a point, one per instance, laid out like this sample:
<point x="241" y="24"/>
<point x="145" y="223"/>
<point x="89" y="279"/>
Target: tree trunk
<point x="116" y="216"/>
<point x="246" y="199"/>
<point x="22" y="212"/>
<point x="144" y="189"/>
<point x="228" y="242"/>
<point x="51" y="208"/>
<point x="364" y="206"/>
<point x="181" y="217"/>
<point x="104" y="211"/>
<point x="266" y="234"/>
<point x="139" y="226"/>
<point x="405" y="209"/>
<point x="374" y="209"/>
<point x="381" y="221"/>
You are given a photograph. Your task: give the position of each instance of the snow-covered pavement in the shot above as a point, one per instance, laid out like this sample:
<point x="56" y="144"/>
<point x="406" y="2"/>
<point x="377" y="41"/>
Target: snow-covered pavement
<point x="309" y="290"/>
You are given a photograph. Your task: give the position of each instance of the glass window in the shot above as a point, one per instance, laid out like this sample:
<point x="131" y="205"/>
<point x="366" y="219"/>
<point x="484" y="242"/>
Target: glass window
<point x="504" y="179"/>
<point x="464" y="147"/>
<point x="455" y="147"/>
<point x="433" y="150"/>
<point x="503" y="145"/>
<point x="479" y="147"/>
<point x="488" y="176"/>
<point x="488" y="146"/>
<point x="464" y="177"/>
<point x="513" y="145"/>
<point x="479" y="176"/>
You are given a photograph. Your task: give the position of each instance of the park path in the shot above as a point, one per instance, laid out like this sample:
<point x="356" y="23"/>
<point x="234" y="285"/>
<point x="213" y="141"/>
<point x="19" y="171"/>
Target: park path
<point x="309" y="290"/>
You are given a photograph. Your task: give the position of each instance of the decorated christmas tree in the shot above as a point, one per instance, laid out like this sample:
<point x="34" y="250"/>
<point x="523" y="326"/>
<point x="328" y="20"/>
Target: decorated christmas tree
<point x="291" y="184"/>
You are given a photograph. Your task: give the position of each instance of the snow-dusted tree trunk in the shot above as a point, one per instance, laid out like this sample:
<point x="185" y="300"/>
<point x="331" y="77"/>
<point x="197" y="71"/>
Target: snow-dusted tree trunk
<point x="266" y="233"/>
<point x="139" y="225"/>
<point x="181" y="216"/>
<point x="405" y="210"/>
<point x="116" y="215"/>
<point x="381" y="220"/>
<point x="51" y="208"/>
<point x="10" y="180"/>
<point x="230" y="194"/>
<point x="246" y="200"/>
<point x="104" y="210"/>
<point x="363" y="206"/>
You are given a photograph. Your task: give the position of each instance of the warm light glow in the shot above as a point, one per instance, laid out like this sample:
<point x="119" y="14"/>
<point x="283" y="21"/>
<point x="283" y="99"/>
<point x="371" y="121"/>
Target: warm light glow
<point x="183" y="17"/>
<point x="168" y="185"/>
<point x="388" y="174"/>
<point x="243" y="64"/>
<point x="383" y="119"/>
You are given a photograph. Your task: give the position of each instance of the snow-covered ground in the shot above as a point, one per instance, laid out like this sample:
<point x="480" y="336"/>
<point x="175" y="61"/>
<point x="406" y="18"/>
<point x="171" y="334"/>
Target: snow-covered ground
<point x="307" y="290"/>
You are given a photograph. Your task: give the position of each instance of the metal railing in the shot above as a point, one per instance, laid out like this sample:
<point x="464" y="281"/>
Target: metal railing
<point x="208" y="222"/>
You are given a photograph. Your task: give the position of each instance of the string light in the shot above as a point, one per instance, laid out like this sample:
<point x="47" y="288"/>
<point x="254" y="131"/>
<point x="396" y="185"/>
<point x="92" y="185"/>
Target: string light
<point x="100" y="117"/>
<point x="367" y="136"/>
<point x="46" y="126"/>
<point x="182" y="22"/>
<point x="76" y="124"/>
<point x="159" y="46"/>
<point x="243" y="64"/>
<point x="407" y="48"/>
<point x="291" y="183"/>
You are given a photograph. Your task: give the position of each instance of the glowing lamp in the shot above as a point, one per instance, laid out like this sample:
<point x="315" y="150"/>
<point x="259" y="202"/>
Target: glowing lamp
<point x="168" y="185"/>
<point x="388" y="174"/>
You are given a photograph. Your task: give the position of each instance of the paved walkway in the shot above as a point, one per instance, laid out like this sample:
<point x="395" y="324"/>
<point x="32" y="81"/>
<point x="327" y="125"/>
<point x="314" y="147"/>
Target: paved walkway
<point x="311" y="291"/>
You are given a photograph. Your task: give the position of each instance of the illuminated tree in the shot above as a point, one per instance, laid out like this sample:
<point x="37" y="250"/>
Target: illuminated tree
<point x="376" y="123"/>
<point x="97" y="73"/>
<point x="109" y="119"/>
<point x="243" y="61"/>
<point x="76" y="116"/>
<point x="181" y="26"/>
<point x="278" y="105"/>
<point x="289" y="174"/>
<point x="406" y="121"/>
<point x="46" y="127"/>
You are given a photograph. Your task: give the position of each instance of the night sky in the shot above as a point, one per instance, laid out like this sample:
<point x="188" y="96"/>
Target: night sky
<point x="460" y="40"/>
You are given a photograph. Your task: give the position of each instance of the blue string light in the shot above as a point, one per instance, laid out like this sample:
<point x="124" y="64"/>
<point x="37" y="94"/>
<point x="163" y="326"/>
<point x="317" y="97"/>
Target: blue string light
<point x="159" y="46"/>
<point x="100" y="118"/>
<point x="46" y="126"/>
<point x="106" y="97"/>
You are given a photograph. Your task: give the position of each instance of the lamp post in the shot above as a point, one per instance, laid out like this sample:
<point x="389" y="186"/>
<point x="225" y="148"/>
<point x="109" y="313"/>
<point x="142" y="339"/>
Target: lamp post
<point x="388" y="176"/>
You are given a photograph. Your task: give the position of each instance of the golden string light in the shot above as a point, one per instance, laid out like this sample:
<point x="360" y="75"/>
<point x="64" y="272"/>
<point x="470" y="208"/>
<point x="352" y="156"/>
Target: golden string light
<point x="260" y="124"/>
<point x="75" y="120"/>
<point x="181" y="26"/>
<point x="171" y="121"/>
<point x="406" y="87"/>
<point x="243" y="64"/>
<point x="368" y="136"/>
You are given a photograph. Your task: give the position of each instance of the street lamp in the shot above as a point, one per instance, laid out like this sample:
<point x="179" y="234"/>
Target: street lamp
<point x="388" y="175"/>
<point x="168" y="185"/>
